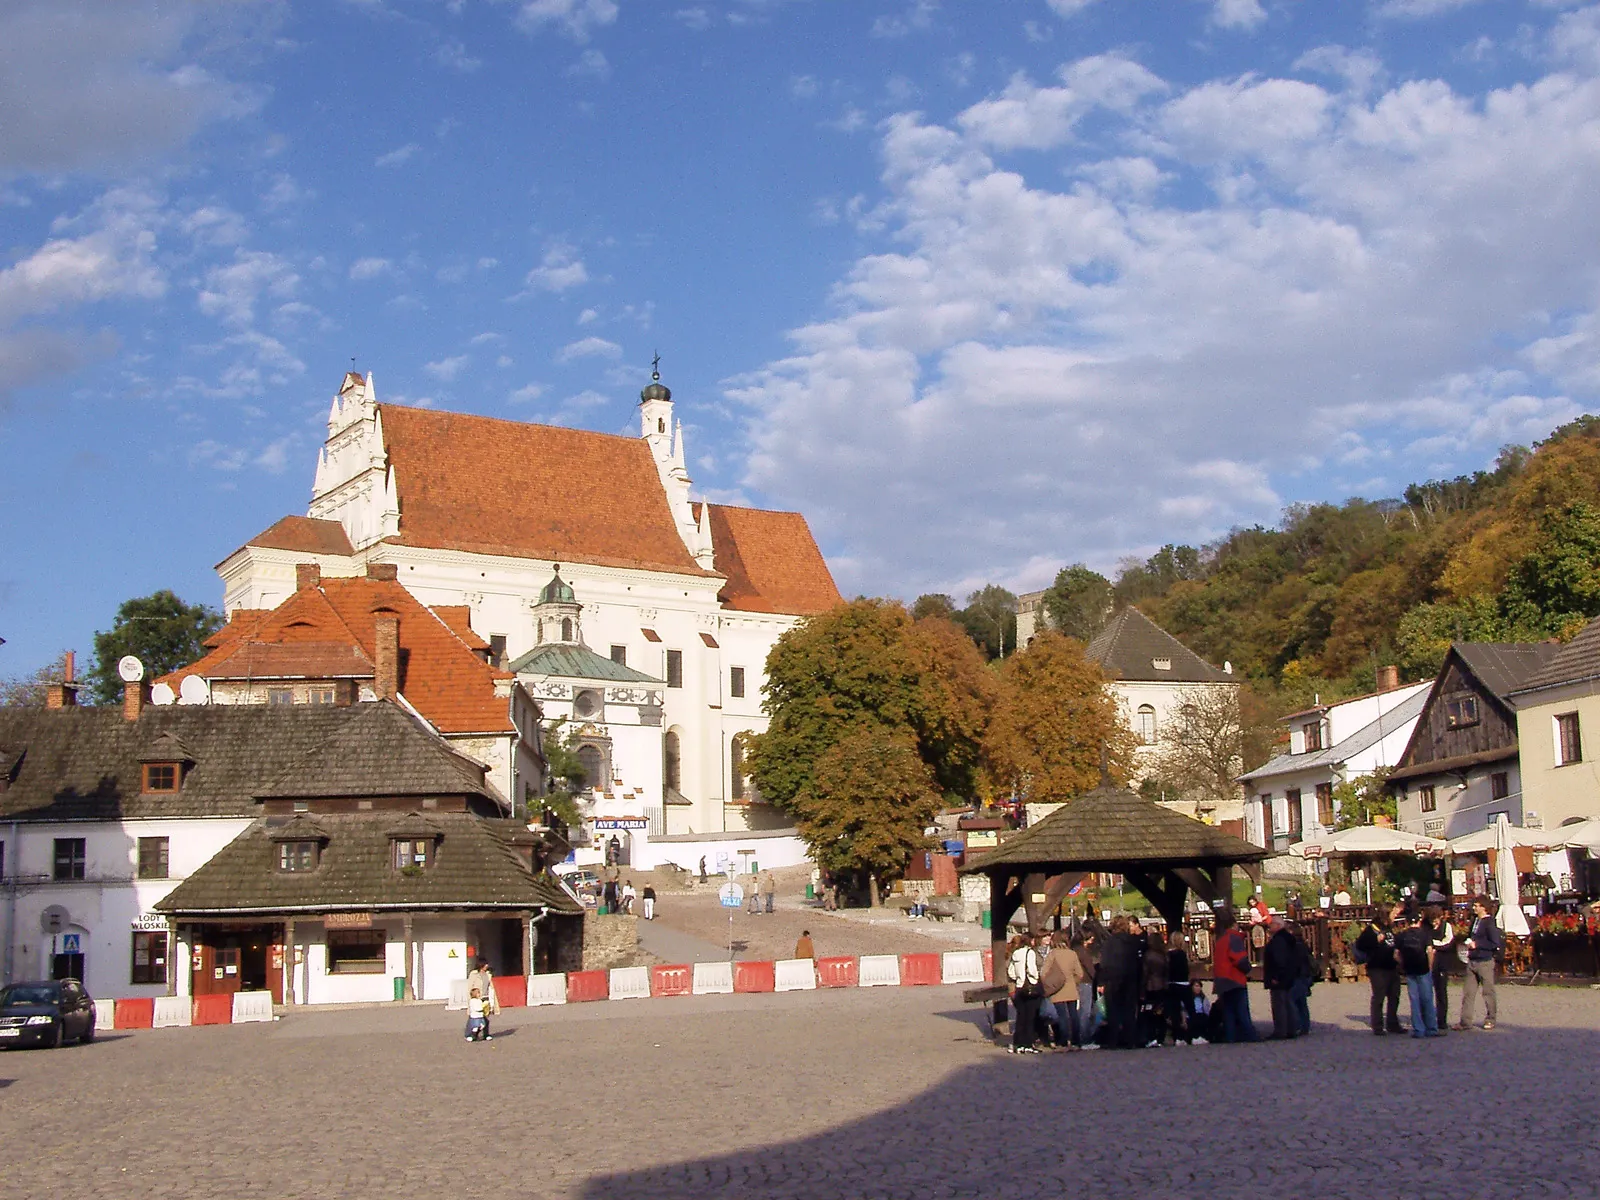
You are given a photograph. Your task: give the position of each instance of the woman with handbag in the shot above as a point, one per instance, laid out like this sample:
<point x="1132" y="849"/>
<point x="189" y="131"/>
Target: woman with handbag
<point x="1022" y="971"/>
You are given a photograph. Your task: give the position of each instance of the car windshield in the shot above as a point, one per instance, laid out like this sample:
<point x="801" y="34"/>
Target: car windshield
<point x="29" y="993"/>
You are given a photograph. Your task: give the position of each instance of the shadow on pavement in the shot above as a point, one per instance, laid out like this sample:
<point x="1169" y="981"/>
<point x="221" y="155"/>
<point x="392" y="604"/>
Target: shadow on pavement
<point x="1335" y="1115"/>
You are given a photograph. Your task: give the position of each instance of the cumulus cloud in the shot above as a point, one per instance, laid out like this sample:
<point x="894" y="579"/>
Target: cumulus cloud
<point x="589" y="347"/>
<point x="1237" y="14"/>
<point x="93" y="82"/>
<point x="107" y="251"/>
<point x="560" y="270"/>
<point x="527" y="393"/>
<point x="591" y="64"/>
<point x="231" y="289"/>
<point x="575" y="18"/>
<point x="370" y="268"/>
<point x="1243" y="288"/>
<point x="398" y="155"/>
<point x="446" y="369"/>
<point x="916" y="18"/>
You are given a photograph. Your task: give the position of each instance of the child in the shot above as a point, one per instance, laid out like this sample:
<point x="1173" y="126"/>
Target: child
<point x="477" y="1017"/>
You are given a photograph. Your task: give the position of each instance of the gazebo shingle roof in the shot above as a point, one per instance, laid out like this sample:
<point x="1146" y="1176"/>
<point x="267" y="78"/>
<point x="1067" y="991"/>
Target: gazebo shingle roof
<point x="1110" y="828"/>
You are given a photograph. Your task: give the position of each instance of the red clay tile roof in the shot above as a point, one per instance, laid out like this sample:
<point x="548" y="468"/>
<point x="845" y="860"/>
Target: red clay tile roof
<point x="308" y="535"/>
<point x="771" y="561"/>
<point x="488" y="486"/>
<point x="291" y="660"/>
<point x="439" y="674"/>
<point x="241" y="623"/>
<point x="459" y="618"/>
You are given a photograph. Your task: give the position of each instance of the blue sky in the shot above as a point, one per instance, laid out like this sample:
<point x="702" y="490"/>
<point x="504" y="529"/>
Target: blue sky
<point x="983" y="288"/>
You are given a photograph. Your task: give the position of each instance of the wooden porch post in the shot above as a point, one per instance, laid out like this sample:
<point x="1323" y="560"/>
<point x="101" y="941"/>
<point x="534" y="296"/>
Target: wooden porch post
<point x="410" y="992"/>
<point x="288" y="961"/>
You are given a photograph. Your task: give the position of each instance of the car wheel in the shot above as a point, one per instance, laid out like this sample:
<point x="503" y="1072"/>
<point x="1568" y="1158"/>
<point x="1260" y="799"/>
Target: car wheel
<point x="88" y="1034"/>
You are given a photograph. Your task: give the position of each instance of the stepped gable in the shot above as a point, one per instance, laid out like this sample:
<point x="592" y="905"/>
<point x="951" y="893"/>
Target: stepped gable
<point x="1112" y="825"/>
<point x="474" y="865"/>
<point x="1575" y="662"/>
<point x="489" y="486"/>
<point x="1131" y="642"/>
<point x="771" y="562"/>
<point x="333" y="625"/>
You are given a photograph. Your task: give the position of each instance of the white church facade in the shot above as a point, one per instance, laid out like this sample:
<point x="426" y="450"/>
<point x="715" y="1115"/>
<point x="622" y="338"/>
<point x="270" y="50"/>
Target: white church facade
<point x="671" y="605"/>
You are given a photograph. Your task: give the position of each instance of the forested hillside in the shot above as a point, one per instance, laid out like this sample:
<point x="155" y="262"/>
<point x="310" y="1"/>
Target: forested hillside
<point x="1511" y="554"/>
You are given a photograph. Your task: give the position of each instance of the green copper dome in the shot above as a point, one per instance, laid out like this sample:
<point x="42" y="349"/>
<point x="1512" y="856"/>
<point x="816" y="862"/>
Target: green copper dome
<point x="558" y="591"/>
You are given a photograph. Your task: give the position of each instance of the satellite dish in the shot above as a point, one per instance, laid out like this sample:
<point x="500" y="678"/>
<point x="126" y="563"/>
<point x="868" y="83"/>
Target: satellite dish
<point x="193" y="690"/>
<point x="162" y="693"/>
<point x="54" y="919"/>
<point x="130" y="668"/>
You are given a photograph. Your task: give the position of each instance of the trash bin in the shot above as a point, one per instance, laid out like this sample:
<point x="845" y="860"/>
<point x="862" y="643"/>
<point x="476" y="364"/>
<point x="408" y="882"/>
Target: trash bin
<point x="988" y="919"/>
<point x="399" y="987"/>
<point x="811" y="891"/>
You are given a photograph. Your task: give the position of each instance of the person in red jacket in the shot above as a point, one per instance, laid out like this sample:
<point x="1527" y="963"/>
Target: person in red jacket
<point x="1230" y="979"/>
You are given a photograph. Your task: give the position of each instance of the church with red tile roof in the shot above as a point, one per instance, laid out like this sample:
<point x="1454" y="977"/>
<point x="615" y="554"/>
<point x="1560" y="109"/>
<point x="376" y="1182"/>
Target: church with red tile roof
<point x="474" y="518"/>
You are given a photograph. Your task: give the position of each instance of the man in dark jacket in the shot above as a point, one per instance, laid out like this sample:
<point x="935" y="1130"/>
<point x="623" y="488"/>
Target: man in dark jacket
<point x="1121" y="983"/>
<point x="1279" y="965"/>
<point x="1375" y="948"/>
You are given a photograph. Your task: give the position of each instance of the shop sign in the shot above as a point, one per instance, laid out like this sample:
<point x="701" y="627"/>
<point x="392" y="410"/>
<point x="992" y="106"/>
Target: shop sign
<point x="151" y="923"/>
<point x="622" y="823"/>
<point x="360" y="920"/>
<point x="982" y="839"/>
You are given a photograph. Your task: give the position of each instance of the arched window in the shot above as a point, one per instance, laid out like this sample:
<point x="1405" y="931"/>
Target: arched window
<point x="737" y="789"/>
<point x="661" y="424"/>
<point x="566" y="629"/>
<point x="673" y="765"/>
<point x="1147" y="724"/>
<point x="593" y="764"/>
<point x="541" y="630"/>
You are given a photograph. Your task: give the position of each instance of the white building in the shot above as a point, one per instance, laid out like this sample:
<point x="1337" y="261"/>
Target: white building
<point x="1290" y="798"/>
<point x="482" y="512"/>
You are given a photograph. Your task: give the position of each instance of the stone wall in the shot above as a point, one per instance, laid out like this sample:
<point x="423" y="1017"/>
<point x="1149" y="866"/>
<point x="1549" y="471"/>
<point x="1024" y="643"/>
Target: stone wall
<point x="610" y="941"/>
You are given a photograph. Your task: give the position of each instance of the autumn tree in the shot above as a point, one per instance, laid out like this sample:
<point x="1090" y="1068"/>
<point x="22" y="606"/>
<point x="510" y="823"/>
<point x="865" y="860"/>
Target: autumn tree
<point x="990" y="619"/>
<point x="867" y="805"/>
<point x="28" y="690"/>
<point x="1212" y="736"/>
<point x="933" y="604"/>
<point x="867" y="666"/>
<point x="160" y="630"/>
<point x="1054" y="723"/>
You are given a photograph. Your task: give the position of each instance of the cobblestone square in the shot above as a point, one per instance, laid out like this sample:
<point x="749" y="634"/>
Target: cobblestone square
<point x="850" y="1094"/>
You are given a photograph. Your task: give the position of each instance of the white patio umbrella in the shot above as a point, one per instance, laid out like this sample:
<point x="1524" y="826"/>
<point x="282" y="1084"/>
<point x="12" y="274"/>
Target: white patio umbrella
<point x="1484" y="839"/>
<point x="1369" y="841"/>
<point x="1585" y="834"/>
<point x="1511" y="917"/>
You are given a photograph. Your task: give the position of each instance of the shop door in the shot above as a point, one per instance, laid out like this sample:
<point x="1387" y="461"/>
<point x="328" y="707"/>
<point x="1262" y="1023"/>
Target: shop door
<point x="66" y="966"/>
<point x="224" y="968"/>
<point x="253" y="963"/>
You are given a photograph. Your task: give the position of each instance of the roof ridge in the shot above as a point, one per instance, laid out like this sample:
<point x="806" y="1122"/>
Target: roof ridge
<point x="451" y="413"/>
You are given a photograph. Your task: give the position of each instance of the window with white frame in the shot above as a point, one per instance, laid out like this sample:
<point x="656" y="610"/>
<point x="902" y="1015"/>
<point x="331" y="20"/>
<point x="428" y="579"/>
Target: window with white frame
<point x="1569" y="739"/>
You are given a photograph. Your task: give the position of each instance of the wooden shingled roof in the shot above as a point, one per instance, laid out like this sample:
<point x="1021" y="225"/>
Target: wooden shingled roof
<point x="1110" y="828"/>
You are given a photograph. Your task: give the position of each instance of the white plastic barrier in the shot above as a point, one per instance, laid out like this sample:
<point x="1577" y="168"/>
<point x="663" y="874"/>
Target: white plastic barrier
<point x="630" y="983"/>
<point x="962" y="966"/>
<point x="713" y="978"/>
<point x="795" y="975"/>
<point x="105" y="1014"/>
<point x="173" y="1010"/>
<point x="252" y="1006"/>
<point x="545" y="989"/>
<point x="879" y="970"/>
<point x="458" y="994"/>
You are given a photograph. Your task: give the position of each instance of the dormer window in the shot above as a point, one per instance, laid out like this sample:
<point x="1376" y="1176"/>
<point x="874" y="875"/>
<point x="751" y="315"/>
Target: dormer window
<point x="412" y="853"/>
<point x="297" y="856"/>
<point x="1312" y="732"/>
<point x="161" y="777"/>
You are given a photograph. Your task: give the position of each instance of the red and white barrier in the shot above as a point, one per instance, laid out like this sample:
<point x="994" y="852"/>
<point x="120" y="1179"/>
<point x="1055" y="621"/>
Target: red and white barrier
<point x="879" y="970"/>
<point x="547" y="989"/>
<point x="962" y="966"/>
<point x="583" y="986"/>
<point x="921" y="970"/>
<point x="251" y="1006"/>
<point x="713" y="979"/>
<point x="630" y="983"/>
<point x="140" y="1012"/>
<point x="105" y="1014"/>
<point x="676" y="980"/>
<point x="754" y="977"/>
<point x="794" y="975"/>
<point x="837" y="972"/>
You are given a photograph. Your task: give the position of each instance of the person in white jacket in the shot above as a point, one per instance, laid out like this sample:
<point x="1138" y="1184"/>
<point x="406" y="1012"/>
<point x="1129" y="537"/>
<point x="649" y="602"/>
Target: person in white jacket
<point x="1022" y="971"/>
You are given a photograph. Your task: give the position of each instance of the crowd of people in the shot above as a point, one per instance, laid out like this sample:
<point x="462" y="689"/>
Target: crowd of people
<point x="1123" y="986"/>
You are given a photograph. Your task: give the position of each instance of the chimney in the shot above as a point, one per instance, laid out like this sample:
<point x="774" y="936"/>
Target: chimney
<point x="1388" y="678"/>
<point x="307" y="575"/>
<point x="386" y="659"/>
<point x="383" y="572"/>
<point x="71" y="673"/>
<point x="60" y="695"/>
<point x="135" y="696"/>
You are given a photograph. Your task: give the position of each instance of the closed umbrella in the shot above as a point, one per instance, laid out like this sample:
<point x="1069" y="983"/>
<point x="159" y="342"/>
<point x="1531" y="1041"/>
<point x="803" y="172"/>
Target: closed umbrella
<point x="1512" y="918"/>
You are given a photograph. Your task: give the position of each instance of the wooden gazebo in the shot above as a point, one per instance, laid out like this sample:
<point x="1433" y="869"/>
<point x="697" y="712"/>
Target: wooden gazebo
<point x="1110" y="830"/>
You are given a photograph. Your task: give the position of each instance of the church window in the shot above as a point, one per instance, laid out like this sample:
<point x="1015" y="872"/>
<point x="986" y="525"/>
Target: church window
<point x="587" y="704"/>
<point x="619" y="655"/>
<point x="497" y="649"/>
<point x="737" y="788"/>
<point x="661" y="424"/>
<point x="593" y="763"/>
<point x="566" y="629"/>
<point x="1147" y="725"/>
<point x="673" y="766"/>
<point x="674" y="668"/>
<point x="736" y="682"/>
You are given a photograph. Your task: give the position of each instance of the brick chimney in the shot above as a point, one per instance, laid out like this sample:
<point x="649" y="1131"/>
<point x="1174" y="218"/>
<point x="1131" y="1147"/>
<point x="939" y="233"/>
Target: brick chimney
<point x="383" y="572"/>
<point x="307" y="575"/>
<point x="135" y="696"/>
<point x="1388" y="678"/>
<point x="386" y="656"/>
<point x="65" y="693"/>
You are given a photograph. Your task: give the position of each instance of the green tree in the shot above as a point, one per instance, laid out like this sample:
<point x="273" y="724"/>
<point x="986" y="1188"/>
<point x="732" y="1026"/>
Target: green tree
<point x="27" y="691"/>
<point x="990" y="619"/>
<point x="1079" y="602"/>
<point x="567" y="778"/>
<point x="867" y="805"/>
<point x="933" y="604"/>
<point x="160" y="630"/>
<point x="1362" y="800"/>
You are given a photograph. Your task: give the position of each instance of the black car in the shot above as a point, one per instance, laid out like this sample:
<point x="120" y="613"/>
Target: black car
<point x="45" y="1014"/>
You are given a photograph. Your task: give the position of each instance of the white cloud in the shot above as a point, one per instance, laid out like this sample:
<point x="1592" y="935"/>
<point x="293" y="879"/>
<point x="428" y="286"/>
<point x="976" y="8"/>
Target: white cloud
<point x="1410" y="9"/>
<point x="1243" y="287"/>
<point x="560" y="270"/>
<point x="283" y="192"/>
<point x="1068" y="8"/>
<point x="370" y="268"/>
<point x="917" y="18"/>
<point x="527" y="393"/>
<point x="575" y="18"/>
<point x="453" y="54"/>
<point x="1237" y="14"/>
<point x="113" y="257"/>
<point x="230" y="290"/>
<point x="591" y="64"/>
<point x="396" y="156"/>
<point x="446" y="369"/>
<point x="696" y="18"/>
<point x="587" y="316"/>
<point x="483" y="339"/>
<point x="589" y="347"/>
